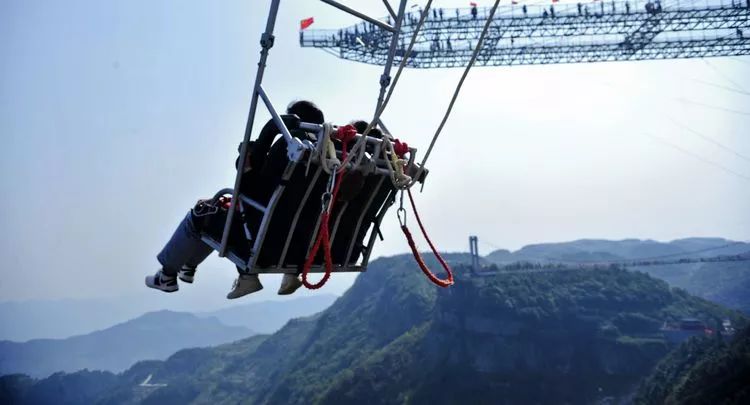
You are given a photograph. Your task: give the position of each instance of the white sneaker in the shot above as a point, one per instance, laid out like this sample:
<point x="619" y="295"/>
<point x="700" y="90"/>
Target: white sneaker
<point x="289" y="284"/>
<point x="245" y="284"/>
<point x="160" y="281"/>
<point x="187" y="274"/>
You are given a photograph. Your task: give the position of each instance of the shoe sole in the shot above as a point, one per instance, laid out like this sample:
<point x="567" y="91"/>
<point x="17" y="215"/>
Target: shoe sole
<point x="186" y="278"/>
<point x="289" y="291"/>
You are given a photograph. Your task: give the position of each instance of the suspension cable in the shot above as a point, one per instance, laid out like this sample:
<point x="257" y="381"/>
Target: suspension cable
<point x="460" y="84"/>
<point x="357" y="148"/>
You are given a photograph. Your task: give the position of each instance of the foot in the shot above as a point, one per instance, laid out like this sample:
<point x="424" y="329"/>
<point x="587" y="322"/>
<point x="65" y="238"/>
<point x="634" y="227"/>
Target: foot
<point x="244" y="285"/>
<point x="289" y="284"/>
<point x="161" y="281"/>
<point x="187" y="274"/>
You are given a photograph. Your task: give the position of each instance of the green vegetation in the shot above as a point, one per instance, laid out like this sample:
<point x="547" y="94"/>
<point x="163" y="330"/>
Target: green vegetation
<point x="702" y="371"/>
<point x="563" y="336"/>
<point x="727" y="284"/>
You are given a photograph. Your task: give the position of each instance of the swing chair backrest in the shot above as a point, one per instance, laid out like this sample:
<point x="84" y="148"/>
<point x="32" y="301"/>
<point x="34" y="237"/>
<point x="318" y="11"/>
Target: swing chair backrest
<point x="276" y="235"/>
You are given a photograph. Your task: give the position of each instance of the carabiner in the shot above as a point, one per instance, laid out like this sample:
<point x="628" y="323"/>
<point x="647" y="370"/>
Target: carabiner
<point x="400" y="210"/>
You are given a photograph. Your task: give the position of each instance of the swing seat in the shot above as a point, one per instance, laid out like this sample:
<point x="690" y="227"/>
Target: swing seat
<point x="276" y="236"/>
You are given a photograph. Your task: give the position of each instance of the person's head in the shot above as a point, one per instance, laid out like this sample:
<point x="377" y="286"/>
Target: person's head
<point x="307" y="111"/>
<point x="362" y="126"/>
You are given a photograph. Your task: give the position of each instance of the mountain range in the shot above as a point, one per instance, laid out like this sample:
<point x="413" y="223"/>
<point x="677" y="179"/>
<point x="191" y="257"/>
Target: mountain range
<point x="152" y="336"/>
<point x="155" y="335"/>
<point x="561" y="336"/>
<point x="599" y="250"/>
<point x="727" y="283"/>
<point x="59" y="319"/>
<point x="64" y="318"/>
<point x="269" y="316"/>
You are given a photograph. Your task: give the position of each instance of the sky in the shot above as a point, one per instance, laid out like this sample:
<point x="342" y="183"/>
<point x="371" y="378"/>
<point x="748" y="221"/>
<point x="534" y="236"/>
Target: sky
<point x="116" y="116"/>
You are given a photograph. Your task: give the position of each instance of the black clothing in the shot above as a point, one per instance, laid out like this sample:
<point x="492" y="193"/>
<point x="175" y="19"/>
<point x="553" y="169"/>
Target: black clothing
<point x="258" y="150"/>
<point x="268" y="163"/>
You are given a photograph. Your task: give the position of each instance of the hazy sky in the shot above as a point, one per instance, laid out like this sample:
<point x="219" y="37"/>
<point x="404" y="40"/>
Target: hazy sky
<point x="115" y="116"/>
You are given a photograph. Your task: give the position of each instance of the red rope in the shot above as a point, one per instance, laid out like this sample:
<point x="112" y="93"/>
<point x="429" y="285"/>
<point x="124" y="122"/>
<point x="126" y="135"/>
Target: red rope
<point x="344" y="134"/>
<point x="322" y="238"/>
<point x="418" y="257"/>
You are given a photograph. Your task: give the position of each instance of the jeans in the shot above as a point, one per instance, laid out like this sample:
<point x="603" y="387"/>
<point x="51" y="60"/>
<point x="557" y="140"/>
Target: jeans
<point x="185" y="248"/>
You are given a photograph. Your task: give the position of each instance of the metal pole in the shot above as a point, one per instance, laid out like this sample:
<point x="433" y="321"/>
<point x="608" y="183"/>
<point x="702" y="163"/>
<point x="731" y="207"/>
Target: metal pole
<point x="360" y="15"/>
<point x="390" y="9"/>
<point x="275" y="115"/>
<point x="266" y="42"/>
<point x="385" y="78"/>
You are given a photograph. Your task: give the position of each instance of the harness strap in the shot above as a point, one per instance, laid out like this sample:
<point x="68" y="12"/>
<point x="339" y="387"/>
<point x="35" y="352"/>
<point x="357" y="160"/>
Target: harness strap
<point x="418" y="257"/>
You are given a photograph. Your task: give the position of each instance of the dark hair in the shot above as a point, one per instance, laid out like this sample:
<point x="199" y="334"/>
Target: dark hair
<point x="362" y="126"/>
<point x="307" y="111"/>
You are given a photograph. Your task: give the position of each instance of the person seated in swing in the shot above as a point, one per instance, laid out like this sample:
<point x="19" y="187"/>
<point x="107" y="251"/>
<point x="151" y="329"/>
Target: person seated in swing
<point x="185" y="250"/>
<point x="263" y="172"/>
<point x="261" y="186"/>
<point x="354" y="180"/>
<point x="352" y="183"/>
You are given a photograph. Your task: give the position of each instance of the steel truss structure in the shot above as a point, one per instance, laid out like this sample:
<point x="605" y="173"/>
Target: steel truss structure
<point x="532" y="35"/>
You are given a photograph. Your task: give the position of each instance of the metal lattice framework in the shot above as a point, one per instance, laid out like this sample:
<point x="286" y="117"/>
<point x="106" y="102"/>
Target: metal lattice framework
<point x="571" y="33"/>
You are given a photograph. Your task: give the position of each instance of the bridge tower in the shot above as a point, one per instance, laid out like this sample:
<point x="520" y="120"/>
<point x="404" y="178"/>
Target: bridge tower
<point x="474" y="251"/>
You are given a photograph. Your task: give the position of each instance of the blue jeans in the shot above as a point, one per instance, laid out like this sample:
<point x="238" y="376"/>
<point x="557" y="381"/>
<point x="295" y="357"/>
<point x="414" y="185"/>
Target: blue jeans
<point x="185" y="248"/>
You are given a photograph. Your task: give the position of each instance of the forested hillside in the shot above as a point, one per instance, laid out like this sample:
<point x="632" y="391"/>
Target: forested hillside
<point x="702" y="371"/>
<point x="726" y="283"/>
<point x="566" y="336"/>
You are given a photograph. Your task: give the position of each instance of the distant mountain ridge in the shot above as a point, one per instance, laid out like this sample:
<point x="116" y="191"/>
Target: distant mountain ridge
<point x="24" y="320"/>
<point x="588" y="250"/>
<point x="726" y="283"/>
<point x="58" y="319"/>
<point x="572" y="336"/>
<point x="154" y="335"/>
<point x="269" y="316"/>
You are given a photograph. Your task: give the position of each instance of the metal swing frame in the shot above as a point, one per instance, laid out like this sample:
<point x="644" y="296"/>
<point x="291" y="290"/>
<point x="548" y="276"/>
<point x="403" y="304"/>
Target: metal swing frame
<point x="299" y="153"/>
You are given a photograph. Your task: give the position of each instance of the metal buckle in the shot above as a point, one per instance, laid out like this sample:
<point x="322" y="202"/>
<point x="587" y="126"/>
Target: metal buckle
<point x="327" y="197"/>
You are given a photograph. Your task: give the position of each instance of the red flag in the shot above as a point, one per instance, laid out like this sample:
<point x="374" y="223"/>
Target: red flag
<point x="306" y="23"/>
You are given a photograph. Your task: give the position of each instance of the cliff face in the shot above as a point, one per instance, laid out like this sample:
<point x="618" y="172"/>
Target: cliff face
<point x="557" y="337"/>
<point x="565" y="336"/>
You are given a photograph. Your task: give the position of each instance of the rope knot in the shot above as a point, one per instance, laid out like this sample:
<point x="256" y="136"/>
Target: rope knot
<point x="346" y="133"/>
<point x="401" y="148"/>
